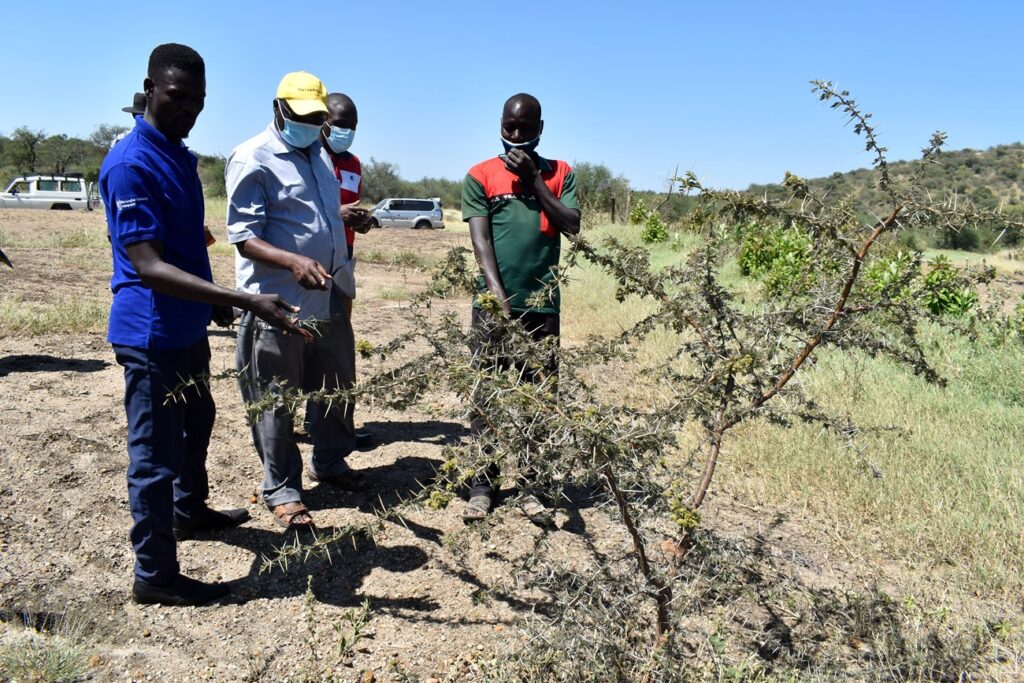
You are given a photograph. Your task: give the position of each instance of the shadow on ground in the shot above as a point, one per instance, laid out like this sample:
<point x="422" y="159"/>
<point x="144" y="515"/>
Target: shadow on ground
<point x="46" y="363"/>
<point x="336" y="579"/>
<point x="435" y="432"/>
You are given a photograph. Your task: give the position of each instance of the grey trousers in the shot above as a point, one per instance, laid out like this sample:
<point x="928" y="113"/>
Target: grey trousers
<point x="265" y="358"/>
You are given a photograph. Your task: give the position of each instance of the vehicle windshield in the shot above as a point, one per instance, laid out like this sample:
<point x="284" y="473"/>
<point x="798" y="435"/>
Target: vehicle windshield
<point x="379" y="204"/>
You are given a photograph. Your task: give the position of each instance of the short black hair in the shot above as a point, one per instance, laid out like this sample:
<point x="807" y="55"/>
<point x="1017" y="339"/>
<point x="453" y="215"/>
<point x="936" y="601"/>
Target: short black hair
<point x="522" y="99"/>
<point x="175" y="56"/>
<point x="340" y="99"/>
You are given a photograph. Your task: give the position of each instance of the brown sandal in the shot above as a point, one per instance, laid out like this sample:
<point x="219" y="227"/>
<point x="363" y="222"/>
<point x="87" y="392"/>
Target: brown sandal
<point x="286" y="518"/>
<point x="477" y="508"/>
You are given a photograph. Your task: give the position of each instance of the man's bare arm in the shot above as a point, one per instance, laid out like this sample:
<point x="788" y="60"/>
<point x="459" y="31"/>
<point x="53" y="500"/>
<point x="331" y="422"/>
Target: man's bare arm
<point x="561" y="216"/>
<point x="483" y="249"/>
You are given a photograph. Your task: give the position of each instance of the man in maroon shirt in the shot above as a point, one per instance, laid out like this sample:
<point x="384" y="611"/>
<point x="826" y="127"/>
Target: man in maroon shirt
<point x="336" y="137"/>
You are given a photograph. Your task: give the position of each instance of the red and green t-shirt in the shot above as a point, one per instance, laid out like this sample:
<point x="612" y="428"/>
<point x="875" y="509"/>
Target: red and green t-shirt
<point x="526" y="245"/>
<point x="349" y="173"/>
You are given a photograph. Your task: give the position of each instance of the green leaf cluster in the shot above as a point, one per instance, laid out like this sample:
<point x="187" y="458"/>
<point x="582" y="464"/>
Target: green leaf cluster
<point x="943" y="290"/>
<point x="654" y="228"/>
<point x="780" y="256"/>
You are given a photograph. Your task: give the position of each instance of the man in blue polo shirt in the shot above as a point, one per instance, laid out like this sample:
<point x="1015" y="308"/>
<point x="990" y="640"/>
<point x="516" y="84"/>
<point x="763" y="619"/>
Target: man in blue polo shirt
<point x="163" y="293"/>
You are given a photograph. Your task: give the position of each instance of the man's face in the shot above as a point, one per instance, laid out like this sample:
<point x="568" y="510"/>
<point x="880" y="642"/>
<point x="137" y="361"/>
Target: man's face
<point x="339" y="115"/>
<point x="174" y="99"/>
<point x="283" y="111"/>
<point x="521" y="123"/>
<point x="342" y="117"/>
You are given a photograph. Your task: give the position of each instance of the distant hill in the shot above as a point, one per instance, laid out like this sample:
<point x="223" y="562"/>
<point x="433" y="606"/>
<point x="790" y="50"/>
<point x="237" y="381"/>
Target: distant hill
<point x="992" y="178"/>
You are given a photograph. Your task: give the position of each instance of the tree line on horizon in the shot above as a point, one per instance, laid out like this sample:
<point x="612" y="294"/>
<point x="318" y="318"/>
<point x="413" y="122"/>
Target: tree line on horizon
<point x="990" y="178"/>
<point x="28" y="151"/>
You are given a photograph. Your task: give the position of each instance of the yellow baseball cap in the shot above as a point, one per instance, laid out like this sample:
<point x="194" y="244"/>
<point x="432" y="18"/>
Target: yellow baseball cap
<point x="304" y="92"/>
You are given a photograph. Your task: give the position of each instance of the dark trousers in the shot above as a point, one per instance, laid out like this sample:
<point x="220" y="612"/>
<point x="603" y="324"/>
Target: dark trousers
<point x="167" y="442"/>
<point x="539" y="326"/>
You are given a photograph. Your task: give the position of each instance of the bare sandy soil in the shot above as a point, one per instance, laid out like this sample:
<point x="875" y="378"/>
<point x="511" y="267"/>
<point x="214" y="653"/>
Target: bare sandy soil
<point x="64" y="518"/>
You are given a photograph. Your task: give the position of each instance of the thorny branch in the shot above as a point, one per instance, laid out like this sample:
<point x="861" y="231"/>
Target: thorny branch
<point x="614" y="421"/>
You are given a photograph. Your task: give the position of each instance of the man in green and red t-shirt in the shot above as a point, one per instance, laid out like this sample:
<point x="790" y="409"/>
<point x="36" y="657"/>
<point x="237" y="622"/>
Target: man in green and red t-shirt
<point x="518" y="205"/>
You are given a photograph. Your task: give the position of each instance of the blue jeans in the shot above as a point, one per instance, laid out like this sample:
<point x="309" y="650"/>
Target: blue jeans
<point x="167" y="442"/>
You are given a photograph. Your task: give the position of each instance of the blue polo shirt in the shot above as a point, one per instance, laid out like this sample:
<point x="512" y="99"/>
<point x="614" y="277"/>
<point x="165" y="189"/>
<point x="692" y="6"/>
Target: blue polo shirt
<point x="151" y="192"/>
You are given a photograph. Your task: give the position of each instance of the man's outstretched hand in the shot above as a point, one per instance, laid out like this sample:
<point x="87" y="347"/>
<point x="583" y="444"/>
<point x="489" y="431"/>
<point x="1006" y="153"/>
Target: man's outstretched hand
<point x="279" y="313"/>
<point x="223" y="316"/>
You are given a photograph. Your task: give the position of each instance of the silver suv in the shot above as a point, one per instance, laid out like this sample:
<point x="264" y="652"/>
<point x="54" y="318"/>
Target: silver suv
<point x="418" y="214"/>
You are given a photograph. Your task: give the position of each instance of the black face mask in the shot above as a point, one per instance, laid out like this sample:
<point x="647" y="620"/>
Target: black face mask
<point x="527" y="147"/>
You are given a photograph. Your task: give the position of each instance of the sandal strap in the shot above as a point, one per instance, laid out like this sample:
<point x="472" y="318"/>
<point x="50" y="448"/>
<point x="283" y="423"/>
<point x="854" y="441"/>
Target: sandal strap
<point x="532" y="506"/>
<point x="287" y="516"/>
<point x="536" y="511"/>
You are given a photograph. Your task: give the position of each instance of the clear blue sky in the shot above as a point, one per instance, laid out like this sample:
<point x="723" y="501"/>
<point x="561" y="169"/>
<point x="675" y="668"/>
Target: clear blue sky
<point x="719" y="88"/>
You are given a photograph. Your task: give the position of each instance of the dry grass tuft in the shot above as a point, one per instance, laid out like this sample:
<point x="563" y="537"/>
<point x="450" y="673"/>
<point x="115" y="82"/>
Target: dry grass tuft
<point x="59" y="315"/>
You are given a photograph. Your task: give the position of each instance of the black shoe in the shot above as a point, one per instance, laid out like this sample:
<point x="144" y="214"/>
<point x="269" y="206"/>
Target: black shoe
<point x="365" y="440"/>
<point x="181" y="592"/>
<point x="209" y="520"/>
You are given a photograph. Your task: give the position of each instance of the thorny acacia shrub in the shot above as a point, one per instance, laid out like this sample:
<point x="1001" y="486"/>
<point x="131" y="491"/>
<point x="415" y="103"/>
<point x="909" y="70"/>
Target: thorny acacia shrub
<point x="746" y="618"/>
<point x="734" y="361"/>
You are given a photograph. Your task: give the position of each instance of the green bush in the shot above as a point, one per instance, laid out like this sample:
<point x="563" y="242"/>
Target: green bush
<point x="639" y="213"/>
<point x="780" y="256"/>
<point x="655" y="229"/>
<point x="211" y="173"/>
<point x="887" y="271"/>
<point x="965" y="239"/>
<point x="944" y="292"/>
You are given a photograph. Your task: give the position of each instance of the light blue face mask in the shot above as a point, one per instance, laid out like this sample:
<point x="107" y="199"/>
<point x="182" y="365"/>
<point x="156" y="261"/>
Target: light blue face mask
<point x="299" y="135"/>
<point x="340" y="139"/>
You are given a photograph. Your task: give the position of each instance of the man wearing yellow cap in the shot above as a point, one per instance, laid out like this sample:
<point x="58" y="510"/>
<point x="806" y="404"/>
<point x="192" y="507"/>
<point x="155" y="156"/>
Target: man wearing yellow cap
<point x="284" y="219"/>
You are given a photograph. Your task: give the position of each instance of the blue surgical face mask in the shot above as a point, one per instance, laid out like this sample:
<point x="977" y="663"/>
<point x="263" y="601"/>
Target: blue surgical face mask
<point x="299" y="135"/>
<point x="340" y="139"/>
<point x="525" y="146"/>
